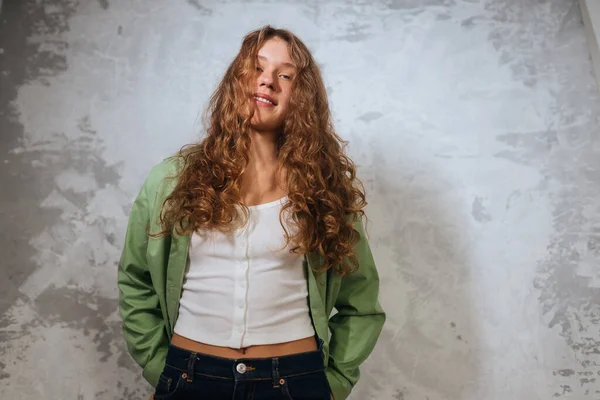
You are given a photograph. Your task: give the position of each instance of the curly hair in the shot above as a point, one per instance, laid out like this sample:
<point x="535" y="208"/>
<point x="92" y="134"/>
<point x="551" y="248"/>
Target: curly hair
<point x="324" y="194"/>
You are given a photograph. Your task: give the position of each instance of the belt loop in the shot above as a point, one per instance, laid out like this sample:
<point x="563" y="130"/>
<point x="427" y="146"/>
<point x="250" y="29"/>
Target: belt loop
<point x="275" y="372"/>
<point x="190" y="368"/>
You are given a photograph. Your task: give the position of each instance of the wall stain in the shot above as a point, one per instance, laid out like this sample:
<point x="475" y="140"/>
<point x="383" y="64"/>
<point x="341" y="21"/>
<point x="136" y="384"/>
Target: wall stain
<point x="564" y="372"/>
<point x="479" y="212"/>
<point x="79" y="310"/>
<point x="355" y="32"/>
<point x="370" y="116"/>
<point x="202" y="9"/>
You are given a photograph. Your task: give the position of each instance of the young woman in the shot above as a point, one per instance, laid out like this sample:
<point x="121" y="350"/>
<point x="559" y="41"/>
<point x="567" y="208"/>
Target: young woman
<point x="239" y="247"/>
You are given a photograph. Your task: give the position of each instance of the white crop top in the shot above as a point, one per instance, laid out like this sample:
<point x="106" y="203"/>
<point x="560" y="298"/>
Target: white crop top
<point x="237" y="292"/>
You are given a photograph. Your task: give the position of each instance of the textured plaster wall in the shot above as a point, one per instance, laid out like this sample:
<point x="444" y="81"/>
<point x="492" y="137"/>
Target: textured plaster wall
<point x="474" y="125"/>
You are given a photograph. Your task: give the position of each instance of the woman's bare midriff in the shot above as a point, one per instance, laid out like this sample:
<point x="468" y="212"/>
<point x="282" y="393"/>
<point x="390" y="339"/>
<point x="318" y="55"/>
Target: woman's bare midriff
<point x="257" y="351"/>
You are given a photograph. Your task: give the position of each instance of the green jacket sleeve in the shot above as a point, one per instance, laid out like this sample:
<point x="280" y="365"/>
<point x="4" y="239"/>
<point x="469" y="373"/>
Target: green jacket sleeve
<point x="356" y="326"/>
<point x="143" y="324"/>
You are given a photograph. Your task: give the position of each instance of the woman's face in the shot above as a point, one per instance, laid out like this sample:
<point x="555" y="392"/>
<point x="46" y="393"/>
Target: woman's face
<point x="274" y="75"/>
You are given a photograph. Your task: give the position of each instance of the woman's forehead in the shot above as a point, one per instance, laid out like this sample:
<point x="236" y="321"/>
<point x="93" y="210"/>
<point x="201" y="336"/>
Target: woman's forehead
<point x="276" y="51"/>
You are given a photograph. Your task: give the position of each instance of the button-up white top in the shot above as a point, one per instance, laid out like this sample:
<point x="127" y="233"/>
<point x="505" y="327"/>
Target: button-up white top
<point x="242" y="289"/>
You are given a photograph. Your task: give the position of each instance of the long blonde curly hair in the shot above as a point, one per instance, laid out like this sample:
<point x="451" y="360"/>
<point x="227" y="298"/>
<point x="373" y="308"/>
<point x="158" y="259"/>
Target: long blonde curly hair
<point x="324" y="194"/>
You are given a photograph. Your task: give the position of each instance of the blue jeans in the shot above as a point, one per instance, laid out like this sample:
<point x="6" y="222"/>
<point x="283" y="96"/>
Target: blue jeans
<point x="195" y="376"/>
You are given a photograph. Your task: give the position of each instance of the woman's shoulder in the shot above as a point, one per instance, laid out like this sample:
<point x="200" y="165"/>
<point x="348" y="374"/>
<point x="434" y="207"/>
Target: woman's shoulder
<point x="163" y="175"/>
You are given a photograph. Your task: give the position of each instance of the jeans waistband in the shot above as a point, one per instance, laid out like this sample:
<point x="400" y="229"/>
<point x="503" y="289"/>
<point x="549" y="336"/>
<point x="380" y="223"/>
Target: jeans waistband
<point x="241" y="369"/>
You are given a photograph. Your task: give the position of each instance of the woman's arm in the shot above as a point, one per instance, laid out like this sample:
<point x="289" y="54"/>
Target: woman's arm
<point x="143" y="324"/>
<point x="359" y="320"/>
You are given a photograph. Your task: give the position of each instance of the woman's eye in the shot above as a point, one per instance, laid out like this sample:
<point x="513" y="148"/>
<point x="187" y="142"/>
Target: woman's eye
<point x="286" y="77"/>
<point x="258" y="69"/>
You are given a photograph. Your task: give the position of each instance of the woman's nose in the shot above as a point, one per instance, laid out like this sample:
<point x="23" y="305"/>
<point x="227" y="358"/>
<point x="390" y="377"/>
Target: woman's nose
<point x="266" y="79"/>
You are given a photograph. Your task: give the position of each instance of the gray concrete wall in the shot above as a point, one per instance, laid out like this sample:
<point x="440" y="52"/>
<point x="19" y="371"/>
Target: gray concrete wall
<point x="590" y="11"/>
<point x="475" y="128"/>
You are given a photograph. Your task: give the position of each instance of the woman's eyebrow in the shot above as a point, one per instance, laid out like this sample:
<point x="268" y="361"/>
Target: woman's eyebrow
<point x="286" y="64"/>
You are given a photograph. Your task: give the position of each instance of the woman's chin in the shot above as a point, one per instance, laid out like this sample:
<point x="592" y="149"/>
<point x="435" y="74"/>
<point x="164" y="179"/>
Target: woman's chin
<point x="263" y="126"/>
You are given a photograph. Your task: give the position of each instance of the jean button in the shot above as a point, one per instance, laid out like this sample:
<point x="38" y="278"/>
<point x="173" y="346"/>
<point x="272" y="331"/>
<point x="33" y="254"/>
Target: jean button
<point x="241" y="368"/>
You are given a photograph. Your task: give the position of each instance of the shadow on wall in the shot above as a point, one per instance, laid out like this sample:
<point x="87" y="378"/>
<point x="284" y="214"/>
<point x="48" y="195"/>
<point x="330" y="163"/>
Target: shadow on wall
<point x="429" y="348"/>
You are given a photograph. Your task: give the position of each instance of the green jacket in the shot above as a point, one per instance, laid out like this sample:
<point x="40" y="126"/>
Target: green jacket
<point x="150" y="278"/>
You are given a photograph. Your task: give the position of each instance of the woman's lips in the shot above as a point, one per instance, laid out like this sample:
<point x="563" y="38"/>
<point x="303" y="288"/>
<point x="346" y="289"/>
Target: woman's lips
<point x="262" y="102"/>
